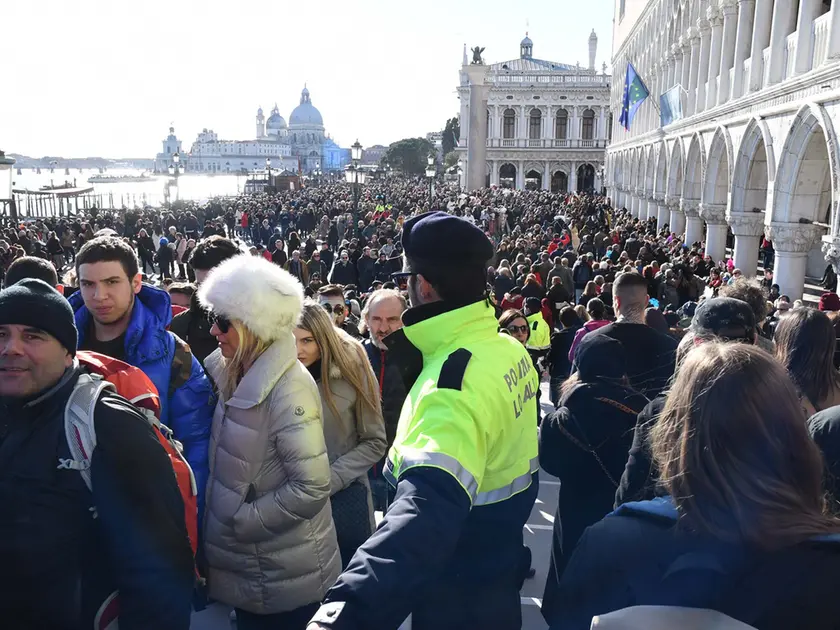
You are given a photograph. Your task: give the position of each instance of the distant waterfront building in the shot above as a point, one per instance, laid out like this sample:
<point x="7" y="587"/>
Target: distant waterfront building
<point x="548" y="122"/>
<point x="302" y="145"/>
<point x="374" y="154"/>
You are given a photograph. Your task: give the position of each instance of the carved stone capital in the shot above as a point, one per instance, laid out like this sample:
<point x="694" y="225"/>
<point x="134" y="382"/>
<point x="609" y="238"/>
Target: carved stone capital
<point x="728" y="8"/>
<point x="831" y="250"/>
<point x="793" y="237"/>
<point x="673" y="203"/>
<point x="658" y="198"/>
<point x="714" y="16"/>
<point x="703" y="26"/>
<point x="713" y="213"/>
<point x="746" y="223"/>
<point x="690" y="207"/>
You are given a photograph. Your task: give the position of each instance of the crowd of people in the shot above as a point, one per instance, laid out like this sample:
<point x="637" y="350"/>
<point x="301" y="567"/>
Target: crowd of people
<point x="310" y="361"/>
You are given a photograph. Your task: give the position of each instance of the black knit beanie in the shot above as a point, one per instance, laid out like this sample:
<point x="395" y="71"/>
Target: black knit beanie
<point x="32" y="302"/>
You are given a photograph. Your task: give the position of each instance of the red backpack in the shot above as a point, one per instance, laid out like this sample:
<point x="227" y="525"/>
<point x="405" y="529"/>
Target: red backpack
<point x="105" y="373"/>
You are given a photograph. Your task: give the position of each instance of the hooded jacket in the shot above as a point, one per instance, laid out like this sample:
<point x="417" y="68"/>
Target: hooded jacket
<point x="270" y="542"/>
<point x="186" y="394"/>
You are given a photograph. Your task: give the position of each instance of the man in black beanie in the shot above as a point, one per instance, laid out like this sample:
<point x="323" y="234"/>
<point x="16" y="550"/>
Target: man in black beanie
<point x="66" y="550"/>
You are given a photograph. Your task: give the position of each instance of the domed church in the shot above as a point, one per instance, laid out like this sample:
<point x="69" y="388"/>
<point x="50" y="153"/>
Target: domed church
<point x="305" y="133"/>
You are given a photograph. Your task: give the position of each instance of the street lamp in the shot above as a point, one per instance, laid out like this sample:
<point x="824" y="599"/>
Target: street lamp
<point x="430" y="173"/>
<point x="356" y="152"/>
<point x="355" y="176"/>
<point x="175" y="171"/>
<point x="268" y="169"/>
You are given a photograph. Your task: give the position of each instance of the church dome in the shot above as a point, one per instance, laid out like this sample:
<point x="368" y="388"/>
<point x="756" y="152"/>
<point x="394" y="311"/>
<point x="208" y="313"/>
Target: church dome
<point x="526" y="42"/>
<point x="275" y="121"/>
<point x="306" y="113"/>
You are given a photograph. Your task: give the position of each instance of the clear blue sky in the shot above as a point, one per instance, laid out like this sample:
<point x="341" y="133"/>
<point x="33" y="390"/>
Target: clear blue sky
<point x="106" y="77"/>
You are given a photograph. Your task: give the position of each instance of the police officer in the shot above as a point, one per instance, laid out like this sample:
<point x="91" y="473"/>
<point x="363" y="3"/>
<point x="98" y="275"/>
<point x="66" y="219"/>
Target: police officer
<point x="464" y="460"/>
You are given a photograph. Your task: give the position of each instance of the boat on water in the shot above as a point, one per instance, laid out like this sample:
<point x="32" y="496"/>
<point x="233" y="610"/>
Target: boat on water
<point x="119" y="179"/>
<point x="64" y="186"/>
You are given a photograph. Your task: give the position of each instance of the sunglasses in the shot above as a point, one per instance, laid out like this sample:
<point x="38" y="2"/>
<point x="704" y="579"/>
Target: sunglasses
<point x="220" y="321"/>
<point x="517" y="329"/>
<point x="338" y="309"/>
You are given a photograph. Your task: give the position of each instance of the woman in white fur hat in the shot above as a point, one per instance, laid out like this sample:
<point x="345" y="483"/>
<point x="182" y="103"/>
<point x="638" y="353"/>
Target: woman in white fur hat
<point x="269" y="537"/>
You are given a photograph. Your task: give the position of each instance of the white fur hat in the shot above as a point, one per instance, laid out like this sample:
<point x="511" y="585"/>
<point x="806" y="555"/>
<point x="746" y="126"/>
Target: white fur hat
<point x="264" y="297"/>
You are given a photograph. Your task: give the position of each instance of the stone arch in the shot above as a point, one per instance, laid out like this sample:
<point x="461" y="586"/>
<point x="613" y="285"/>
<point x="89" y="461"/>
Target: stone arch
<point x="717" y="173"/>
<point x="559" y="181"/>
<point x="754" y="169"/>
<point x="805" y="186"/>
<point x="660" y="174"/>
<point x="675" y="171"/>
<point x="507" y="175"/>
<point x="695" y="165"/>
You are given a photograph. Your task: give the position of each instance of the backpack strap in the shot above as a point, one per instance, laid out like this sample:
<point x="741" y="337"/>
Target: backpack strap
<point x="78" y="424"/>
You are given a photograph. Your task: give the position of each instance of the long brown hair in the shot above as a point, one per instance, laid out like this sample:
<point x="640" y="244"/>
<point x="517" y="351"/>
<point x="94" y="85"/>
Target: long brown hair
<point x="734" y="452"/>
<point x="339" y="350"/>
<point x="805" y="344"/>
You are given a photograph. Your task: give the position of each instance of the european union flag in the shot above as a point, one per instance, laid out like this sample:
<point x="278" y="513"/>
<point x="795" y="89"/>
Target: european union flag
<point x="635" y="92"/>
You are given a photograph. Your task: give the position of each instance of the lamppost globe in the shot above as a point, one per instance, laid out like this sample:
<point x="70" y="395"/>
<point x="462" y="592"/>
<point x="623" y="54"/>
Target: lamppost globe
<point x="350" y="174"/>
<point x="431" y="159"/>
<point x="430" y="172"/>
<point x="176" y="158"/>
<point x="356" y="151"/>
<point x="268" y="162"/>
<point x="171" y="169"/>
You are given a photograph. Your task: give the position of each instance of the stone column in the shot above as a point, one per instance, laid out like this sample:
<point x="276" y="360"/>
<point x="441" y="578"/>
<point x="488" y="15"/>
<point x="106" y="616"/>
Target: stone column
<point x="520" y="175"/>
<point x="687" y="49"/>
<point x="693" y="72"/>
<point x="727" y="56"/>
<point x="670" y="68"/>
<point x="703" y="65"/>
<point x="784" y="21"/>
<point x="522" y="132"/>
<point x="661" y="212"/>
<point x="693" y="222"/>
<point x="792" y="242"/>
<point x="834" y="34"/>
<point x="494" y="173"/>
<point x="809" y="10"/>
<point x="477" y="143"/>
<point x="651" y="207"/>
<point x="746" y="13"/>
<point x="748" y="228"/>
<point x="573" y="177"/>
<point x="546" y="182"/>
<point x="715" y="217"/>
<point x="716" y="20"/>
<point x="676" y="218"/>
<point x="676" y="62"/>
<point x="760" y="41"/>
<point x="601" y="132"/>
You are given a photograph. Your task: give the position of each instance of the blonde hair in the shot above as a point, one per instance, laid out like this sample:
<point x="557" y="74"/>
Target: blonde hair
<point x="580" y="309"/>
<point x="340" y="349"/>
<point x="249" y="350"/>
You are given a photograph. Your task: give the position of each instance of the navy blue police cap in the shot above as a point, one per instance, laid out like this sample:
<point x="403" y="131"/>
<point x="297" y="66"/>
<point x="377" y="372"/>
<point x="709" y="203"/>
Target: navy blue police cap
<point x="437" y="240"/>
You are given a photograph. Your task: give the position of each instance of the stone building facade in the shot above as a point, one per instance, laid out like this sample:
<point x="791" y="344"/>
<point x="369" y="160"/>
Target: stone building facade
<point x="756" y="151"/>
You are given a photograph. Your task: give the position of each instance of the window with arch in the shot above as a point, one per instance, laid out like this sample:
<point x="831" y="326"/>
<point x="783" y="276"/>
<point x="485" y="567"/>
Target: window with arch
<point x="588" y="125"/>
<point x="508" y="124"/>
<point x="535" y="124"/>
<point x="561" y="129"/>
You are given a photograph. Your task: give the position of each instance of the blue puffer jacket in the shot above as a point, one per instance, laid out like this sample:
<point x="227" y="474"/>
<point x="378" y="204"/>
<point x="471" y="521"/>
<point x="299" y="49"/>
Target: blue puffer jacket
<point x="150" y="347"/>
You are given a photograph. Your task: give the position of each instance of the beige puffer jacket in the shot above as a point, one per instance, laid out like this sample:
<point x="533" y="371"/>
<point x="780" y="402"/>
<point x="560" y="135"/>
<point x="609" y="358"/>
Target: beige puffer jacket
<point x="279" y="551"/>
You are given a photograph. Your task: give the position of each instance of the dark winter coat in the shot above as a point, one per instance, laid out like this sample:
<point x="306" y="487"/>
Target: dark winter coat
<point x="595" y="417"/>
<point x="392" y="389"/>
<point x="344" y="274"/>
<point x="365" y="267"/>
<point x="638" y="481"/>
<point x="558" y="356"/>
<point x="638" y="556"/>
<point x="61" y="559"/>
